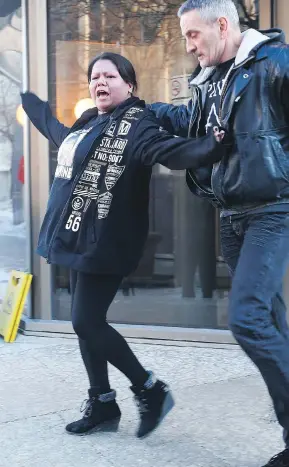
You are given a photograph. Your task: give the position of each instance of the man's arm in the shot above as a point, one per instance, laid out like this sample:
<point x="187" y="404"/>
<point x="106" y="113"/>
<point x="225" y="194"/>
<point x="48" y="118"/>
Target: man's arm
<point x="154" y="146"/>
<point x="39" y="112"/>
<point x="175" y="119"/>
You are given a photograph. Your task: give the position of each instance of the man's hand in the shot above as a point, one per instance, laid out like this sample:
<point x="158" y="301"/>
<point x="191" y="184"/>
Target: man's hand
<point x="219" y="134"/>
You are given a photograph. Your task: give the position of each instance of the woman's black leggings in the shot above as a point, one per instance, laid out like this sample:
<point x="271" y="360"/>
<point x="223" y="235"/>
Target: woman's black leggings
<point x="99" y="342"/>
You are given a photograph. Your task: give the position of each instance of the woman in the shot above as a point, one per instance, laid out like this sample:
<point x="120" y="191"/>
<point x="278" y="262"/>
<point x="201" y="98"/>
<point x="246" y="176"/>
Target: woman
<point x="97" y="223"/>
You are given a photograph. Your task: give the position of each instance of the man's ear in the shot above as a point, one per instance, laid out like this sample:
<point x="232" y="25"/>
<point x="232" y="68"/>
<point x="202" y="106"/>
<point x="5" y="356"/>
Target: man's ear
<point x="223" y="26"/>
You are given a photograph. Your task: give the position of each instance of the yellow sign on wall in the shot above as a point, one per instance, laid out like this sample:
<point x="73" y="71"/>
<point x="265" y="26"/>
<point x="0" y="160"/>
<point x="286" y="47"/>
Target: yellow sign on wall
<point x="13" y="304"/>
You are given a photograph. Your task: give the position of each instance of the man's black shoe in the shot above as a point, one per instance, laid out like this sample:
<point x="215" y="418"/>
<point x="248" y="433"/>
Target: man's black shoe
<point x="154" y="404"/>
<point x="100" y="413"/>
<point x="280" y="460"/>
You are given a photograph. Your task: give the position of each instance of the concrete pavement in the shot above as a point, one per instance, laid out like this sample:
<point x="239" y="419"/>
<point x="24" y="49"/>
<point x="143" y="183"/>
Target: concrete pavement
<point x="222" y="416"/>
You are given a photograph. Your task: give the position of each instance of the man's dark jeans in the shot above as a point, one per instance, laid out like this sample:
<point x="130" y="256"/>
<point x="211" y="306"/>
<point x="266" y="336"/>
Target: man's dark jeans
<point x="256" y="249"/>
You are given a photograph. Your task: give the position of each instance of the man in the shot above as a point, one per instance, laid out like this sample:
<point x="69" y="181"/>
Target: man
<point x="242" y="84"/>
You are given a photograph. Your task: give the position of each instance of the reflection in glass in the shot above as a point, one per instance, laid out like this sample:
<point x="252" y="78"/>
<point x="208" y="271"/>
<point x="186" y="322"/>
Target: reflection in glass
<point x="12" y="225"/>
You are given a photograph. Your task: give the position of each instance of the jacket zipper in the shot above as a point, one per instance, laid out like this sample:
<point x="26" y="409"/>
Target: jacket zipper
<point x="232" y="68"/>
<point x="71" y="192"/>
<point x="198" y="112"/>
<point x="223" y="92"/>
<point x="217" y="164"/>
<point x="194" y="114"/>
<point x="192" y="121"/>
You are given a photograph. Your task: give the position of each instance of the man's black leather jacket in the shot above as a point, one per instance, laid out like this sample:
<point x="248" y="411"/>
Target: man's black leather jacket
<point x="255" y="110"/>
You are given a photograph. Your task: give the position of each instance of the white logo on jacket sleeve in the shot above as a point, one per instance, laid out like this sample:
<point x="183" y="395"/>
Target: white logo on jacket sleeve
<point x="112" y="146"/>
<point x="77" y="203"/>
<point x="73" y="222"/>
<point x="124" y="128"/>
<point x="86" y="190"/>
<point x="133" y="113"/>
<point x="92" y="172"/>
<point x="103" y="206"/>
<point x="110" y="131"/>
<point x="113" y="173"/>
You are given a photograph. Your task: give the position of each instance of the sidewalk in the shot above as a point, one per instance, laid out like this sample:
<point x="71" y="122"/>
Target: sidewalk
<point x="222" y="416"/>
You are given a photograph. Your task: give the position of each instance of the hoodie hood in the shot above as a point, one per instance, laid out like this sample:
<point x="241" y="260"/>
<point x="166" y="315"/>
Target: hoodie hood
<point x="252" y="40"/>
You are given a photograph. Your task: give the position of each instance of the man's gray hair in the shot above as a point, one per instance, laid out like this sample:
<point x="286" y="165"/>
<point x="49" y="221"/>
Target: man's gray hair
<point x="211" y="10"/>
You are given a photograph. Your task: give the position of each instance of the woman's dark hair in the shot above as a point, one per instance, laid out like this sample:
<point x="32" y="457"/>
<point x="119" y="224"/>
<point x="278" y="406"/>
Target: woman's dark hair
<point x="123" y="65"/>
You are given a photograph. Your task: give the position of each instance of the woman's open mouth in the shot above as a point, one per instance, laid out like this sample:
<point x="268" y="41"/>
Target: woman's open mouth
<point x="101" y="93"/>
